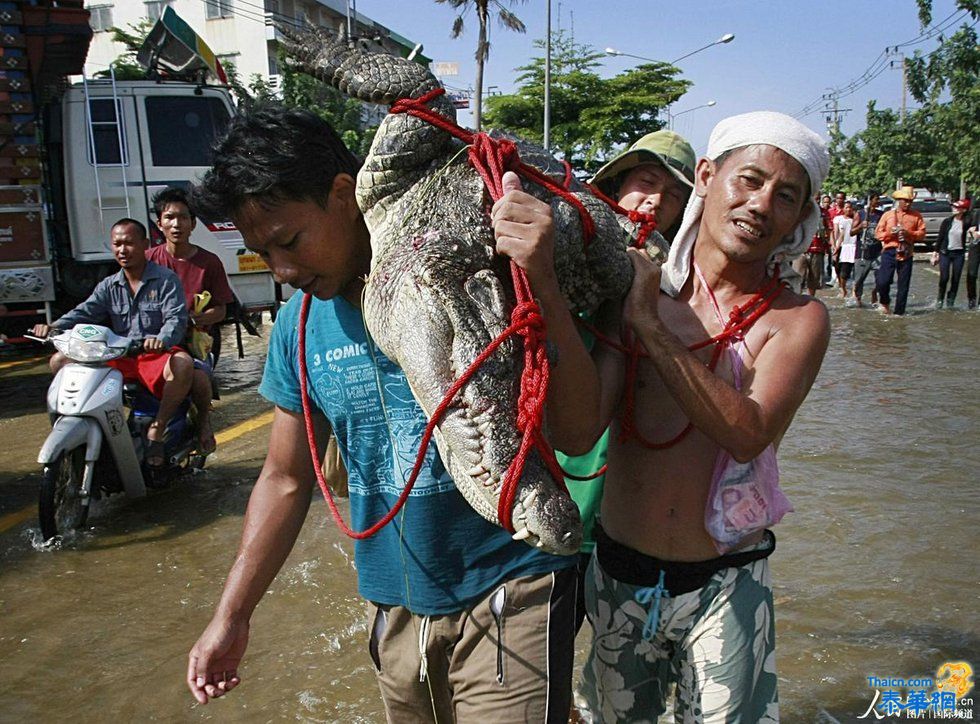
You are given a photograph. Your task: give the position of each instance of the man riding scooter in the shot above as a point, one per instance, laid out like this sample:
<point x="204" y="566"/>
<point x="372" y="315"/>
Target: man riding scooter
<point x="199" y="271"/>
<point x="142" y="301"/>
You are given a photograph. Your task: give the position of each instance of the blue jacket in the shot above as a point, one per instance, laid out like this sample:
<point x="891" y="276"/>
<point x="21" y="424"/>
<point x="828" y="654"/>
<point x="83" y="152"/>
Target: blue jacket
<point x="156" y="310"/>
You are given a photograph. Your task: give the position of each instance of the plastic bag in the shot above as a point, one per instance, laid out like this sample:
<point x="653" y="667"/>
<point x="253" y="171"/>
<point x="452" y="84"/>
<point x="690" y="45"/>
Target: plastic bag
<point x="199" y="342"/>
<point x="744" y="498"/>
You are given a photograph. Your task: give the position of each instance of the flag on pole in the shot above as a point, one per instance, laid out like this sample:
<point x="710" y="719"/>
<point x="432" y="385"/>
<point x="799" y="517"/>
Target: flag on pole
<point x="174" y="45"/>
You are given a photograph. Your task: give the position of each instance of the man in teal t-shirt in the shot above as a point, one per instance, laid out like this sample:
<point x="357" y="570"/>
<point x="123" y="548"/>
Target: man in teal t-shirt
<point x="468" y="624"/>
<point x="654" y="175"/>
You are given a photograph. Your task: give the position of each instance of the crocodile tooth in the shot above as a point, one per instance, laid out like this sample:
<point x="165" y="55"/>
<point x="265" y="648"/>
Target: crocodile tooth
<point x="484" y="427"/>
<point x="539" y="544"/>
<point x="477" y="471"/>
<point x="565" y="538"/>
<point x="529" y="499"/>
<point x="521" y="534"/>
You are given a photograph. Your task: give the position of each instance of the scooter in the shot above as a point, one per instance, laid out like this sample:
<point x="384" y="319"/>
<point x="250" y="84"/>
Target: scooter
<point x="94" y="448"/>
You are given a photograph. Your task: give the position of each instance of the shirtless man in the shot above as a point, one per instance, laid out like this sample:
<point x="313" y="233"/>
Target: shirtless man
<point x="666" y="608"/>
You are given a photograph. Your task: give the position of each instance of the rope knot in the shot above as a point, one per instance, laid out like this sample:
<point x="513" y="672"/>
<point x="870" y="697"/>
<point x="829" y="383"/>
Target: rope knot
<point x="528" y="315"/>
<point x="404" y="105"/>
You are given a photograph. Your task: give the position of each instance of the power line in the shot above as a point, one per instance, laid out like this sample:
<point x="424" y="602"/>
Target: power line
<point x="882" y="63"/>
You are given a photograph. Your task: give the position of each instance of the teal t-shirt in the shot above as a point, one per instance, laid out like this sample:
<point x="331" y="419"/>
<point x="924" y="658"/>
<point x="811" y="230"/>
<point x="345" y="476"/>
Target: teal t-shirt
<point x="438" y="555"/>
<point x="587" y="494"/>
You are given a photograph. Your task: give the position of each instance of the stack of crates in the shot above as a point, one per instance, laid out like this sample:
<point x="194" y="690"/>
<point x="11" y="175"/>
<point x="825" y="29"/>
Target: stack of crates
<point x="25" y="264"/>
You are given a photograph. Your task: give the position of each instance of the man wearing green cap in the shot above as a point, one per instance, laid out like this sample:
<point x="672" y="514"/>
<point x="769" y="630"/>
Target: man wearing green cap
<point x="655" y="176"/>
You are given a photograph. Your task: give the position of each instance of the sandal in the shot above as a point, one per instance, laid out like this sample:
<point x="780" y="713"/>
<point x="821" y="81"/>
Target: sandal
<point x="207" y="445"/>
<point x="155" y="452"/>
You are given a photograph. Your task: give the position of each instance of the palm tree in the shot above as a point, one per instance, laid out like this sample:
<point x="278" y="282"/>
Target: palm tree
<point x="483" y="7"/>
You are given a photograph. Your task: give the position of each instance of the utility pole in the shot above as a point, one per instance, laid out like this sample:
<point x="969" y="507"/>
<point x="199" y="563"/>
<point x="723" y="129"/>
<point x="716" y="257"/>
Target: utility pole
<point x="834" y="113"/>
<point x="900" y="63"/>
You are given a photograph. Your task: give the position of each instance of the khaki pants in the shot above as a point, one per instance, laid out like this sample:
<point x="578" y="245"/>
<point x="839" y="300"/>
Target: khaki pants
<point x="471" y="674"/>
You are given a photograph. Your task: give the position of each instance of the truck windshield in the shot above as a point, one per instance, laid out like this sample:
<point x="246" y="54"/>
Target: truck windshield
<point x="184" y="128"/>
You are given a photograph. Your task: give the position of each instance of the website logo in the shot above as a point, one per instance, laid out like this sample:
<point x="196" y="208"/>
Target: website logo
<point x="943" y="696"/>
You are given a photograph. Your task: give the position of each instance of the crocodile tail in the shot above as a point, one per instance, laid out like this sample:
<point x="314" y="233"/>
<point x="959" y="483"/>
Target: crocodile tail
<point x="359" y="73"/>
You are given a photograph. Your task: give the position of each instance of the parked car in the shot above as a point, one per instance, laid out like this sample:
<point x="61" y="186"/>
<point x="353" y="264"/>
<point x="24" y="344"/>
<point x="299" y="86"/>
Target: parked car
<point x="933" y="211"/>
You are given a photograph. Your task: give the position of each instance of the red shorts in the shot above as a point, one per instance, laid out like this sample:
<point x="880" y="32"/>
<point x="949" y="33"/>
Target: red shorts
<point x="146" y="368"/>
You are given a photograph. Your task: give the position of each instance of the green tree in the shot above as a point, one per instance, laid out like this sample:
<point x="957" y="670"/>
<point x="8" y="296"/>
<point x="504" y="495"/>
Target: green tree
<point x="505" y="17"/>
<point x="125" y="65"/>
<point x="888" y="150"/>
<point x="938" y="145"/>
<point x="591" y="116"/>
<point x="947" y="82"/>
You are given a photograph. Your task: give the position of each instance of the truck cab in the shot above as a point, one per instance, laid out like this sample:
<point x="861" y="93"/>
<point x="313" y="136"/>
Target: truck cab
<point x="120" y="143"/>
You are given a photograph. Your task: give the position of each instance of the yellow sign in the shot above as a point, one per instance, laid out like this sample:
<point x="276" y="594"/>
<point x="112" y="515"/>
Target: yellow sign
<point x="251" y="263"/>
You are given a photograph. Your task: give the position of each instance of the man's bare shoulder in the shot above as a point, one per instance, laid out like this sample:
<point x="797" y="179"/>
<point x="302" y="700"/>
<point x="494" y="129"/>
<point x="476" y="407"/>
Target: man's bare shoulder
<point x="800" y="316"/>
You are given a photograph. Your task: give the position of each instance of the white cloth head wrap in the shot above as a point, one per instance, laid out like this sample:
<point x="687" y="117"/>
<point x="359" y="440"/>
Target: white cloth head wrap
<point x="749" y="129"/>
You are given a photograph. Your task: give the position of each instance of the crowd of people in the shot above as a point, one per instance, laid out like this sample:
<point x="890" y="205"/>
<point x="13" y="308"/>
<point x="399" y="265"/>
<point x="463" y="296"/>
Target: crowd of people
<point x="465" y="623"/>
<point x="853" y="243"/>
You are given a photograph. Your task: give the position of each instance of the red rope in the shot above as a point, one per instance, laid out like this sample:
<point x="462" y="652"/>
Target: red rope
<point x="740" y="320"/>
<point x="491" y="158"/>
<point x="647" y="222"/>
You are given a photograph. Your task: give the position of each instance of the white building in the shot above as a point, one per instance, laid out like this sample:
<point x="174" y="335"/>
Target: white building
<point x="240" y="32"/>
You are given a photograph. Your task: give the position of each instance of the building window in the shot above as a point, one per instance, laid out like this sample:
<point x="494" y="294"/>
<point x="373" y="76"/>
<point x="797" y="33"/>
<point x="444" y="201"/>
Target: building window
<point x="100" y="18"/>
<point x="155" y="8"/>
<point x="273" y="63"/>
<point x="272" y="6"/>
<point x="214" y="9"/>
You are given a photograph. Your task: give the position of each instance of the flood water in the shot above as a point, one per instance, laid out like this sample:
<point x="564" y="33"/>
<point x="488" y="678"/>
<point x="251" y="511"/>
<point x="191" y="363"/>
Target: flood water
<point x="875" y="573"/>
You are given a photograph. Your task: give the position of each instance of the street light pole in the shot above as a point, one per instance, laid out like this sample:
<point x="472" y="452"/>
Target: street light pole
<point x="726" y="38"/>
<point x="546" y="141"/>
<point x="670" y="118"/>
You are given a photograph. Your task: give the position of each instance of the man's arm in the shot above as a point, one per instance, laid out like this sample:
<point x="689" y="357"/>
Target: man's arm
<point x="744" y="423"/>
<point x="883" y="231"/>
<point x="216" y="282"/>
<point x="94" y="310"/>
<point x="212" y="315"/>
<point x="523" y="230"/>
<point x="276" y="510"/>
<point x="918" y="230"/>
<point x="174" y="311"/>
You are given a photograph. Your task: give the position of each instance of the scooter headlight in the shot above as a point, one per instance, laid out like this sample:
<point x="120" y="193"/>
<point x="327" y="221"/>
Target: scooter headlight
<point x="82" y="350"/>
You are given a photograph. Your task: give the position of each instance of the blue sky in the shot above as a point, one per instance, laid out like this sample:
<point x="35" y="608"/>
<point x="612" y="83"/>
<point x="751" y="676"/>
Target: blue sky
<point x="785" y="54"/>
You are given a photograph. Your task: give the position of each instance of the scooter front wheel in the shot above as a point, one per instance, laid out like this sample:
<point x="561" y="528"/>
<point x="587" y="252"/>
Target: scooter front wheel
<point x="60" y="505"/>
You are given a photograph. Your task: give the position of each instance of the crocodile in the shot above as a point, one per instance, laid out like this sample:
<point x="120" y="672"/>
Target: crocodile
<point x="437" y="293"/>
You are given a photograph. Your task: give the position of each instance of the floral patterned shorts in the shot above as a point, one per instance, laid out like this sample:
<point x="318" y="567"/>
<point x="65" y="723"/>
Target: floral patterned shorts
<point x="716" y="645"/>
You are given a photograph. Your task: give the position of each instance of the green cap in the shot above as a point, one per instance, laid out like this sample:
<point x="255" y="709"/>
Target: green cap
<point x="667" y="147"/>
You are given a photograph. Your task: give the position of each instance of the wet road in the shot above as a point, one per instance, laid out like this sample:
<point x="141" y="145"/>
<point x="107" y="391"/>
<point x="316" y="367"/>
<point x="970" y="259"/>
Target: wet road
<point x="875" y="572"/>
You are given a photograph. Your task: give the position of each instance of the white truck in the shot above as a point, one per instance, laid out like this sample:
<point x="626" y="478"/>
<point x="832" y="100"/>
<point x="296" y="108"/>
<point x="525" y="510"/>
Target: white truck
<point x="71" y="167"/>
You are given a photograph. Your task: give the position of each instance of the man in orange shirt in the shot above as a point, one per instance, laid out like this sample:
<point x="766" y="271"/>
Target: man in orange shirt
<point x="898" y="230"/>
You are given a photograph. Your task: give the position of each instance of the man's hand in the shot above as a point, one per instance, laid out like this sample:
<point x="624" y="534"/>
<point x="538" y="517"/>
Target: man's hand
<point x="40" y="330"/>
<point x="523" y="228"/>
<point x="212" y="665"/>
<point x="935" y="258"/>
<point x="641" y="305"/>
<point x="152" y="344"/>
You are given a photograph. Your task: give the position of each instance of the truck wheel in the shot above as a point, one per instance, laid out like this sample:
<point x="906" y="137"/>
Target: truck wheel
<point x="60" y="505"/>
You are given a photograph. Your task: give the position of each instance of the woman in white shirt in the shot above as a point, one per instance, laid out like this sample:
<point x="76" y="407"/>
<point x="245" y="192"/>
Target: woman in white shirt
<point x="845" y="245"/>
<point x="950" y="253"/>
